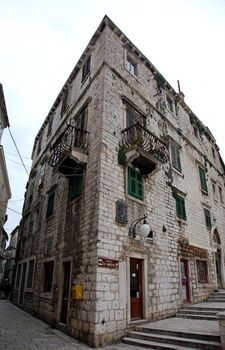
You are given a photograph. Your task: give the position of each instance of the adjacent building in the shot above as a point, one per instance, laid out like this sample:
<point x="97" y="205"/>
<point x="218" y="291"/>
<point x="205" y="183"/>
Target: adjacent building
<point x="119" y="149"/>
<point x="5" y="191"/>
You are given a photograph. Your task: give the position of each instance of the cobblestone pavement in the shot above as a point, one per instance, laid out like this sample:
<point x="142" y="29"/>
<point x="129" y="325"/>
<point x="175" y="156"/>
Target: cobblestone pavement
<point x="21" y="331"/>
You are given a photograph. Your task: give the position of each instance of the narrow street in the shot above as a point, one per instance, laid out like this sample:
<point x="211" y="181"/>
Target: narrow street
<point x="21" y="331"/>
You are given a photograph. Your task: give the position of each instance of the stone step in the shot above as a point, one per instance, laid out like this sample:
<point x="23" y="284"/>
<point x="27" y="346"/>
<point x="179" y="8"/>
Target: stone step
<point x="211" y="312"/>
<point x="163" y="344"/>
<point x="215" y="300"/>
<point x="185" y="334"/>
<point x="196" y="316"/>
<point x="192" y="307"/>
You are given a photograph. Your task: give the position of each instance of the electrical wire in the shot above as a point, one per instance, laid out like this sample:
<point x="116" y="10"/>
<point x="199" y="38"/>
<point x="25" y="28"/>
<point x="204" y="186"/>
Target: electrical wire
<point x="14" y="161"/>
<point x="16" y="155"/>
<point x="18" y="151"/>
<point x="10" y="209"/>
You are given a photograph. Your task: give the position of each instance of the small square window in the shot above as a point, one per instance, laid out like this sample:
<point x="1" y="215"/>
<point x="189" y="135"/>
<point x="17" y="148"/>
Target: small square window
<point x="48" y="276"/>
<point x="131" y="66"/>
<point x="202" y="271"/>
<point x="135" y="183"/>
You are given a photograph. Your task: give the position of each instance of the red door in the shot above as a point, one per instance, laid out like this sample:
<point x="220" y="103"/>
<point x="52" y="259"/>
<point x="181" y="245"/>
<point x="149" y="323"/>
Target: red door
<point x="185" y="294"/>
<point x="136" y="295"/>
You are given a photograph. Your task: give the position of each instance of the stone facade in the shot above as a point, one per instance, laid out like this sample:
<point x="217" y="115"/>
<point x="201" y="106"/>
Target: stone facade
<point x="119" y="143"/>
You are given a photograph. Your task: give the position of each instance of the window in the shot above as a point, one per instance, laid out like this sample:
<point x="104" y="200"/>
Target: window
<point x="80" y="124"/>
<point x="50" y="206"/>
<point x="133" y="117"/>
<point x="75" y="186"/>
<point x="180" y="206"/>
<point x="175" y="157"/>
<point x="48" y="276"/>
<point x="131" y="66"/>
<point x="37" y="218"/>
<point x="30" y="274"/>
<point x="64" y="102"/>
<point x="213" y="153"/>
<point x="18" y="275"/>
<point x="202" y="271"/>
<point x="31" y="224"/>
<point x="86" y="68"/>
<point x="195" y="130"/>
<point x="39" y="144"/>
<point x="207" y="217"/>
<point x="41" y="174"/>
<point x="203" y="182"/>
<point x="221" y="194"/>
<point x="50" y="125"/>
<point x="135" y="183"/>
<point x="169" y="104"/>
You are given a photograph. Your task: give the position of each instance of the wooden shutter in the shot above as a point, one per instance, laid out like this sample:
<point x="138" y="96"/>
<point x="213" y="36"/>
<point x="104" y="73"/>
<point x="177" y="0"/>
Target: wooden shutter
<point x="203" y="179"/>
<point x="207" y="218"/>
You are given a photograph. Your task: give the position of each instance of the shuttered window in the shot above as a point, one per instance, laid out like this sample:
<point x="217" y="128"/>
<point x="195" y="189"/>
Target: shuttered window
<point x="180" y="207"/>
<point x="135" y="184"/>
<point x="175" y="157"/>
<point x="202" y="176"/>
<point x="207" y="217"/>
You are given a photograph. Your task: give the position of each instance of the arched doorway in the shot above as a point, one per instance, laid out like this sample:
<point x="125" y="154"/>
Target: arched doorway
<point x="218" y="258"/>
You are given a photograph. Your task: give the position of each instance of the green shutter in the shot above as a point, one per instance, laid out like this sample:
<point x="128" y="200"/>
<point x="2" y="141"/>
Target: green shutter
<point x="175" y="157"/>
<point x="203" y="179"/>
<point x="135" y="183"/>
<point x="180" y="207"/>
<point x="207" y="218"/>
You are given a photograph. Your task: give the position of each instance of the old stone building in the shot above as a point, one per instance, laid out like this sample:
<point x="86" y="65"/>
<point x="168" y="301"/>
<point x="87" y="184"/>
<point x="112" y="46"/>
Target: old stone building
<point x="119" y="148"/>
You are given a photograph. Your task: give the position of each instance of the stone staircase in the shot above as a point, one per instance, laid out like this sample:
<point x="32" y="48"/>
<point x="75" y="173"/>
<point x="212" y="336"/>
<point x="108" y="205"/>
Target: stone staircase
<point x="194" y="327"/>
<point x="164" y="339"/>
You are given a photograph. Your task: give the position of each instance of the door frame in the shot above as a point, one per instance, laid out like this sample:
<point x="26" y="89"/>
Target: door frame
<point x="145" y="310"/>
<point x="188" y="289"/>
<point x="61" y="284"/>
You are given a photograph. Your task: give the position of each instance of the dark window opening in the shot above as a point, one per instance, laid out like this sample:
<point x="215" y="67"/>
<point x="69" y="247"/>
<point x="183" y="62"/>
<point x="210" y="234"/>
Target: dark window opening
<point x="169" y="104"/>
<point x="64" y="102"/>
<point x="30" y="274"/>
<point x="50" y="125"/>
<point x="50" y="206"/>
<point x="175" y="157"/>
<point x="202" y="271"/>
<point x="207" y="217"/>
<point x="86" y="68"/>
<point x="133" y="117"/>
<point x="203" y="182"/>
<point x="131" y="66"/>
<point x="75" y="186"/>
<point x="48" y="276"/>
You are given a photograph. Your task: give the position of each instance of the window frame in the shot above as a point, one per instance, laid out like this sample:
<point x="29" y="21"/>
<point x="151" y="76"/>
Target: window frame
<point x="202" y="178"/>
<point x="207" y="215"/>
<point x="48" y="282"/>
<point x="86" y="68"/>
<point x="131" y="66"/>
<point x="50" y="204"/>
<point x="175" y="157"/>
<point x="204" y="265"/>
<point x="135" y="183"/>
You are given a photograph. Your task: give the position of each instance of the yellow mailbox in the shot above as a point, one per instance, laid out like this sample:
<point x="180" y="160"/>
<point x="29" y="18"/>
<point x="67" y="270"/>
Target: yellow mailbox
<point x="77" y="292"/>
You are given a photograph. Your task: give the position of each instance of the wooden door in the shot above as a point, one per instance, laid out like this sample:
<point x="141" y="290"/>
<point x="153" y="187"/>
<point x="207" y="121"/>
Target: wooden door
<point x="185" y="294"/>
<point x="66" y="292"/>
<point x="136" y="294"/>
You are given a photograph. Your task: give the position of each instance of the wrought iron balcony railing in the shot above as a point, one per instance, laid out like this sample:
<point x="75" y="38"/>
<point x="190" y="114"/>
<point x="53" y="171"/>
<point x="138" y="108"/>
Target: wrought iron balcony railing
<point x="72" y="137"/>
<point x="138" y="135"/>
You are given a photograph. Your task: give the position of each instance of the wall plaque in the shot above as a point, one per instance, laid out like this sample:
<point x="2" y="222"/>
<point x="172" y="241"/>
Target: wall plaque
<point x="110" y="263"/>
<point x="121" y="211"/>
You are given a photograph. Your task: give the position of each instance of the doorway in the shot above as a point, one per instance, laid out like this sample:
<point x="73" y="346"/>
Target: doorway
<point x="66" y="292"/>
<point x="136" y="291"/>
<point x="184" y="275"/>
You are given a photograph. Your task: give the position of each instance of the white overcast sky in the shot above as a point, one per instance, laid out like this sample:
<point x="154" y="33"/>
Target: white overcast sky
<point x="42" y="40"/>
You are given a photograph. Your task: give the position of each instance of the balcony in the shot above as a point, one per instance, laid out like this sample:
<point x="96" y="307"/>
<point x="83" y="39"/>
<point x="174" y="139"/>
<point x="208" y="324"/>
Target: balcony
<point x="143" y="148"/>
<point x="70" y="150"/>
